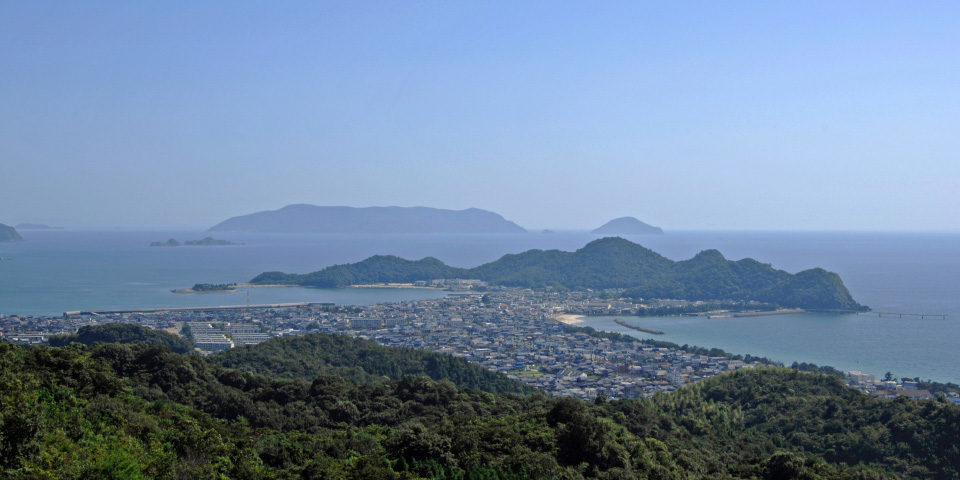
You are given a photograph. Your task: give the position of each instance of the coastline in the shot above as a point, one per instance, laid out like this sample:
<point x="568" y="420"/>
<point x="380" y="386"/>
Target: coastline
<point x="190" y="290"/>
<point x="638" y="328"/>
<point x="782" y="311"/>
<point x="233" y="289"/>
<point x="393" y="285"/>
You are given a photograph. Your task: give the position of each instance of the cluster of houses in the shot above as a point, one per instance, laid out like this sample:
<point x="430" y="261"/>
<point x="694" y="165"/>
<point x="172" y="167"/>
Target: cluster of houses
<point x="891" y="389"/>
<point x="509" y="330"/>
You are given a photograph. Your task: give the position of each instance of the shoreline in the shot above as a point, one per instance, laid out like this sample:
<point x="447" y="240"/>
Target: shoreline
<point x="234" y="289"/>
<point x="393" y="285"/>
<point x="782" y="311"/>
<point x="242" y="286"/>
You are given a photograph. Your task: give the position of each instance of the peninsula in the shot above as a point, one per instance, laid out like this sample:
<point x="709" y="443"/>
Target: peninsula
<point x="9" y="234"/>
<point x="627" y="226"/>
<point x="607" y="263"/>
<point x="304" y="218"/>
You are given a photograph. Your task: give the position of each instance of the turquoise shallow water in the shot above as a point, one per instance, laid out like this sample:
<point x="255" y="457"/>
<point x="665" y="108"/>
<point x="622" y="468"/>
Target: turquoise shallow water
<point x="56" y="271"/>
<point x="907" y="348"/>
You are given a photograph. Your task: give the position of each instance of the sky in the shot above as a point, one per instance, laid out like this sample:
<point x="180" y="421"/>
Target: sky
<point x="690" y="115"/>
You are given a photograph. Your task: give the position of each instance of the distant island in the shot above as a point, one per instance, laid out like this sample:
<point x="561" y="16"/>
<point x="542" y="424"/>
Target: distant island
<point x="206" y="242"/>
<point x="9" y="234"/>
<point x="36" y="226"/>
<point x="627" y="226"/>
<point x="209" y="288"/>
<point x="607" y="263"/>
<point x="302" y="218"/>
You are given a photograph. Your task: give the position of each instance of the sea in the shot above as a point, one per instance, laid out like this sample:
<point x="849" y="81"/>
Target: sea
<point x="911" y="281"/>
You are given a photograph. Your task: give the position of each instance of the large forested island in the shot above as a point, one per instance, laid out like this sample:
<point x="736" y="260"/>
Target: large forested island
<point x="304" y="218"/>
<point x="9" y="234"/>
<point x="607" y="263"/>
<point x="324" y="406"/>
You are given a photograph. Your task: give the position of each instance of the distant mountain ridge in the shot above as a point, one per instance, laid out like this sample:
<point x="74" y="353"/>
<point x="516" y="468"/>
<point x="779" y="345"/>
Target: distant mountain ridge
<point x="9" y="234"/>
<point x="36" y="226"/>
<point x="303" y="218"/>
<point x="627" y="226"/>
<point x="606" y="263"/>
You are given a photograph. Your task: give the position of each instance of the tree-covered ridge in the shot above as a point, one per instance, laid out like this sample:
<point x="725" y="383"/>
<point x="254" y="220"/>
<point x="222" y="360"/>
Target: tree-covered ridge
<point x="123" y="333"/>
<point x="604" y="264"/>
<point x="141" y="411"/>
<point x="360" y="361"/>
<point x="376" y="269"/>
<point x="816" y="414"/>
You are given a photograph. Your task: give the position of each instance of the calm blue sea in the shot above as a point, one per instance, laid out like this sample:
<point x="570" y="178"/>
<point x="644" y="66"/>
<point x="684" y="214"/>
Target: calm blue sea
<point x="56" y="271"/>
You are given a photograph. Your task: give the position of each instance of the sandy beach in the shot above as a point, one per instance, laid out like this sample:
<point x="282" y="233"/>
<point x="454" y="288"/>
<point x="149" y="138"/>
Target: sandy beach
<point x="568" y="319"/>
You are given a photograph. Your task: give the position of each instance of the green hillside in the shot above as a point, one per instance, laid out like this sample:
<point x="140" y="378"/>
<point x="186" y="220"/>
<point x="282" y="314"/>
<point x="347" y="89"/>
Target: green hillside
<point x="123" y="333"/>
<point x="604" y="264"/>
<point x="360" y="361"/>
<point x="141" y="411"/>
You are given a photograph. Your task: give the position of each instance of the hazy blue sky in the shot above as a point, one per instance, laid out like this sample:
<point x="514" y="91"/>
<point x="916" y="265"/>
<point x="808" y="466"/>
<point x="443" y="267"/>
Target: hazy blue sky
<point x="687" y="115"/>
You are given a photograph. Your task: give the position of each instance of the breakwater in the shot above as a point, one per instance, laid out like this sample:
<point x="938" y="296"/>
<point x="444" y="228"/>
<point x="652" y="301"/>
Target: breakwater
<point x="623" y="323"/>
<point x="193" y="309"/>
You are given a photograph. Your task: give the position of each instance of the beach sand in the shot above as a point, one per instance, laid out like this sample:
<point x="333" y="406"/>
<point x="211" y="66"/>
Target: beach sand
<point x="568" y="319"/>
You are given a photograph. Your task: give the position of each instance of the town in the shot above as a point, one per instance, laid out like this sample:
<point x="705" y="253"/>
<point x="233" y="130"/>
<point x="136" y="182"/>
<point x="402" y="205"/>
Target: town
<point x="510" y="330"/>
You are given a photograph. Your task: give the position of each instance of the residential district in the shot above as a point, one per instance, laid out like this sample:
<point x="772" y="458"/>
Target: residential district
<point x="510" y="330"/>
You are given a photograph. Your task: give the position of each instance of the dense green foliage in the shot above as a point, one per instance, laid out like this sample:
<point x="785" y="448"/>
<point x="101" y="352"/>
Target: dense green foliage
<point x="123" y="333"/>
<point x="376" y="269"/>
<point x="360" y="361"/>
<point x="9" y="234"/>
<point x="213" y="287"/>
<point x="607" y="263"/>
<point x="821" y="416"/>
<point x="141" y="411"/>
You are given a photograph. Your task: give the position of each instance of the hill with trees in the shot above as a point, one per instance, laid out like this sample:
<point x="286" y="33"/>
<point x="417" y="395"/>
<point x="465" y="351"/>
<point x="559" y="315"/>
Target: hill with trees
<point x="142" y="411"/>
<point x="606" y="263"/>
<point x="360" y="361"/>
<point x="123" y="333"/>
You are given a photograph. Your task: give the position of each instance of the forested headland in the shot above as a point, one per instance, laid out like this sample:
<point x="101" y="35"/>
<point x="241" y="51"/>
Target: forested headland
<point x="112" y="410"/>
<point x="9" y="234"/>
<point x="608" y="263"/>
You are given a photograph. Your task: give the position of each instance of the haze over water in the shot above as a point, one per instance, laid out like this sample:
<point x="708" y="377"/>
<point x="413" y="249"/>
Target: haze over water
<point x="57" y="271"/>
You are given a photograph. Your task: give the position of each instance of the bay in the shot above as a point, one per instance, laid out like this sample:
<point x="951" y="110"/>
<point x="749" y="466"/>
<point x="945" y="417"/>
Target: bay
<point x="60" y="270"/>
